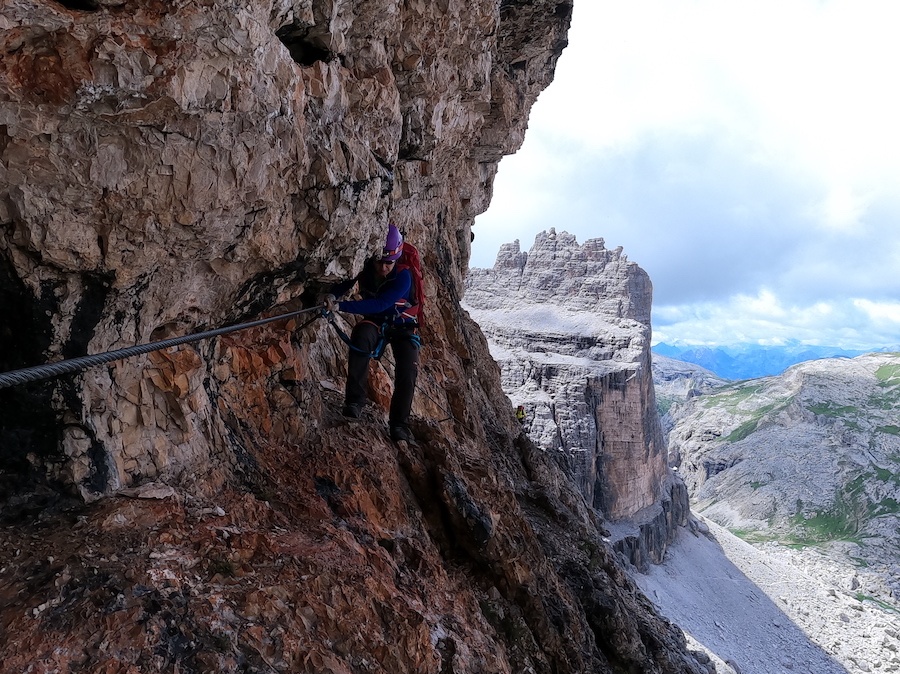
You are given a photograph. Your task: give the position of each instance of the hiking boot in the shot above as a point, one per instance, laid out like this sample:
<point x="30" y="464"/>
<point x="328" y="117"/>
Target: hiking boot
<point x="401" y="434"/>
<point x="352" y="410"/>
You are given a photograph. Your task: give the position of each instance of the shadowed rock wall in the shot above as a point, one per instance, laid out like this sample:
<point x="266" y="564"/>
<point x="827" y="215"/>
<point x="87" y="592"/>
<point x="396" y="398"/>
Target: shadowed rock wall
<point x="172" y="166"/>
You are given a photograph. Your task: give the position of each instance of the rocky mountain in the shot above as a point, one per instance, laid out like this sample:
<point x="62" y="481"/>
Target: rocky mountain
<point x="167" y="167"/>
<point x="675" y="381"/>
<point x="809" y="459"/>
<point x="569" y="325"/>
<point x="750" y="360"/>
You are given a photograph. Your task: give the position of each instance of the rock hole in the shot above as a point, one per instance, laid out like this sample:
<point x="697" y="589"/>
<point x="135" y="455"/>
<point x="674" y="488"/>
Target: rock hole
<point x="80" y="5"/>
<point x="563" y="10"/>
<point x="329" y="491"/>
<point x="447" y="649"/>
<point x="302" y="48"/>
<point x="88" y="313"/>
<point x="28" y="422"/>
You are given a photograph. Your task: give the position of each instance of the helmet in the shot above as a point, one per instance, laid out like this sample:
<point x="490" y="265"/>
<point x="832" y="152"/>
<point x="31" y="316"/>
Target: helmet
<point x="393" y="244"/>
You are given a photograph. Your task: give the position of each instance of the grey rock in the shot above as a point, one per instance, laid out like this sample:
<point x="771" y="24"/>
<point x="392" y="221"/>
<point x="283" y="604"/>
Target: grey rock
<point x="809" y="456"/>
<point x="569" y="326"/>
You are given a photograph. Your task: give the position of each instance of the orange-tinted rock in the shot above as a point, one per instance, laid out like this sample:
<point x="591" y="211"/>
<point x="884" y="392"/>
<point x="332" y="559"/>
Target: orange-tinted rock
<point x="202" y="172"/>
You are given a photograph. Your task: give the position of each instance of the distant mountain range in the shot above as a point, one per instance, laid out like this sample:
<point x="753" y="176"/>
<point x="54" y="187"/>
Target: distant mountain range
<point x="749" y="361"/>
<point x="809" y="458"/>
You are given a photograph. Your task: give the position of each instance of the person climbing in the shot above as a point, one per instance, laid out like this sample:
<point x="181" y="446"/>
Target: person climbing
<point x="387" y="291"/>
<point x="520" y="414"/>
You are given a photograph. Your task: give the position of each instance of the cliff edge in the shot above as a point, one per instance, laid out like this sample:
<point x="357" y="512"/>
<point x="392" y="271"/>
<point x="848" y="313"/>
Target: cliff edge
<point x="167" y="167"/>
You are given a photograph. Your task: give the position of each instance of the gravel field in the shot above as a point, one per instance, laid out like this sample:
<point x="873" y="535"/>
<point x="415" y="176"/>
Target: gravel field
<point x="772" y="610"/>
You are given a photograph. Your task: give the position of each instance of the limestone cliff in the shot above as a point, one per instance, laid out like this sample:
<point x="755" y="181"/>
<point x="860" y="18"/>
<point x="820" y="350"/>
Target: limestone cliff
<point x="171" y="166"/>
<point x="676" y="382"/>
<point x="569" y="325"/>
<point x="808" y="457"/>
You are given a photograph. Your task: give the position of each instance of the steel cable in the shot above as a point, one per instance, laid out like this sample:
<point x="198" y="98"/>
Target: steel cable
<point x="50" y="370"/>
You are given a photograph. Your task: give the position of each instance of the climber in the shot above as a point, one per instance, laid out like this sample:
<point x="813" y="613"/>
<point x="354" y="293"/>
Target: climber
<point x="520" y="414"/>
<point x="386" y="287"/>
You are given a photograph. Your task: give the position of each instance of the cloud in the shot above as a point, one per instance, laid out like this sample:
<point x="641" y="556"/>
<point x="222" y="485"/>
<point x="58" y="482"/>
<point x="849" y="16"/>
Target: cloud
<point x="703" y="219"/>
<point x="735" y="150"/>
<point x="764" y="319"/>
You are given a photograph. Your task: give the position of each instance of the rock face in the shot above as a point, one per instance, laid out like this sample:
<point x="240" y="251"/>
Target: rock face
<point x="810" y="457"/>
<point x="675" y="382"/>
<point x="167" y="167"/>
<point x="570" y="327"/>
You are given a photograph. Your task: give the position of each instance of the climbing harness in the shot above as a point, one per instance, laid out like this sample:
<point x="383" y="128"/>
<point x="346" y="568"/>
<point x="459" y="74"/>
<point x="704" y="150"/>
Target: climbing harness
<point x="50" y="370"/>
<point x="376" y="353"/>
<point x="383" y="338"/>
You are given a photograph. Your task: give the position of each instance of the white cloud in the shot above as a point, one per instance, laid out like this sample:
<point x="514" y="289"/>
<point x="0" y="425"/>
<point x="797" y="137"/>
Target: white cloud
<point x="842" y="209"/>
<point x="735" y="149"/>
<point x="763" y="319"/>
<point x="809" y="81"/>
<point x="881" y="313"/>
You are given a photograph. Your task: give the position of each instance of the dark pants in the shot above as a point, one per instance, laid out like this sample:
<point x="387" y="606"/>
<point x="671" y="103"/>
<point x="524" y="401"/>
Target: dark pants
<point x="365" y="337"/>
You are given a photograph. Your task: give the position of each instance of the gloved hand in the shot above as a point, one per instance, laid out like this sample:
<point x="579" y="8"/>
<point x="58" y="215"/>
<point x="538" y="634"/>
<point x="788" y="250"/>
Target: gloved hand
<point x="330" y="303"/>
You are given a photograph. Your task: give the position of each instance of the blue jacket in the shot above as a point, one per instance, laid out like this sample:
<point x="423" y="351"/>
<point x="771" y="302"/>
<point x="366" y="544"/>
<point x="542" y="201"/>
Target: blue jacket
<point x="384" y="299"/>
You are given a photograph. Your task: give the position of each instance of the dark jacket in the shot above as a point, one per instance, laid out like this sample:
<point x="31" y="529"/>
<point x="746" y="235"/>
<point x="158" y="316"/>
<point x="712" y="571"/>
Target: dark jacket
<point x="383" y="299"/>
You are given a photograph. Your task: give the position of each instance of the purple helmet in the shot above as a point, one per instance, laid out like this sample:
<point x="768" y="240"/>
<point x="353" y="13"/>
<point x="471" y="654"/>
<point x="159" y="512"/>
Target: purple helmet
<point x="393" y="245"/>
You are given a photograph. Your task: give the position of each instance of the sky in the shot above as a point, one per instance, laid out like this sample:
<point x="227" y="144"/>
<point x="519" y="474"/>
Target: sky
<point x="745" y="153"/>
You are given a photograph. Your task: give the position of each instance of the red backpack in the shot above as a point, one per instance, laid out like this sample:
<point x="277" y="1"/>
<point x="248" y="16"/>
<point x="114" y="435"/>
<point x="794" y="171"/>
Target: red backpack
<point x="410" y="259"/>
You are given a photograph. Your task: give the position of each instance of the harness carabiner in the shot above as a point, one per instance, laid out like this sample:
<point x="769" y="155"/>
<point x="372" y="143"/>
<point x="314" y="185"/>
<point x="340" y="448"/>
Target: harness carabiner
<point x="379" y="347"/>
<point x="384" y="337"/>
